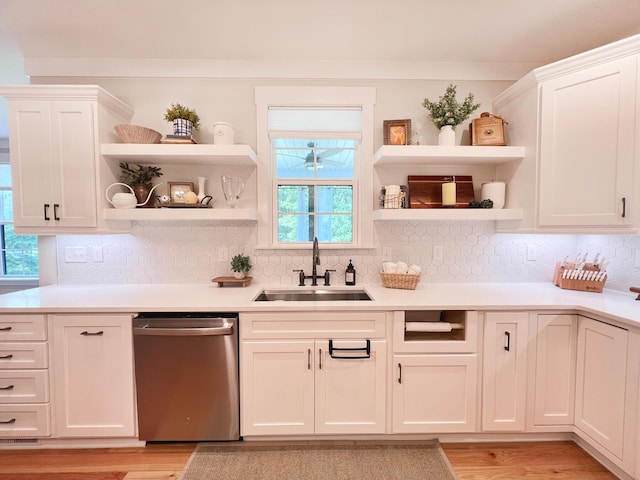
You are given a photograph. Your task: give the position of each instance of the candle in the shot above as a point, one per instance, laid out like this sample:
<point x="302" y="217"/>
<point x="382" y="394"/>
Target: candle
<point x="449" y="193"/>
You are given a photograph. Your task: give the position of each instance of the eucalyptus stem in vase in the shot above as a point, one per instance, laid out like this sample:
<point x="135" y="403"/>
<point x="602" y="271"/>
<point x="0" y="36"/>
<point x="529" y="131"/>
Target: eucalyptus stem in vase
<point x="447" y="113"/>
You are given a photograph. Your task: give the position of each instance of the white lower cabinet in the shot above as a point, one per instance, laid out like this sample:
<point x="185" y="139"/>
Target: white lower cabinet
<point x="434" y="393"/>
<point x="305" y="385"/>
<point x="504" y="375"/>
<point x="92" y="375"/>
<point x="24" y="377"/>
<point x="552" y="372"/>
<point x="601" y="383"/>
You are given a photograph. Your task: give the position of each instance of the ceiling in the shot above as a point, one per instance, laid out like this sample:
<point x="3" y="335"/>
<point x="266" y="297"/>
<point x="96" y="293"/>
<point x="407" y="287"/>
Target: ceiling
<point x="537" y="32"/>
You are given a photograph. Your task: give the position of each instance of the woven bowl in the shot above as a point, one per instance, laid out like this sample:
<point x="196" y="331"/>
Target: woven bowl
<point x="137" y="134"/>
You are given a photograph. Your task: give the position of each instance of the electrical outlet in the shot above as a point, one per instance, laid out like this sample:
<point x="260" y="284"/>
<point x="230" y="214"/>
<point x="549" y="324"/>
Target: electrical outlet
<point x="75" y="254"/>
<point x="438" y="253"/>
<point x="532" y="253"/>
<point x="637" y="259"/>
<point x="223" y="254"/>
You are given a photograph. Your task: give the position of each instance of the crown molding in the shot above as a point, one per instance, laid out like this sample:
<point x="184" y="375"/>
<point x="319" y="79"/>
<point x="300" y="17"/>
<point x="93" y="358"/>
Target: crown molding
<point x="211" y="68"/>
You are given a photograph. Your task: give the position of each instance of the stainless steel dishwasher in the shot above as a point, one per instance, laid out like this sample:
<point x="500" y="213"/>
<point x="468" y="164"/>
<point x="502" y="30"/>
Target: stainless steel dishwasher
<point x="186" y="367"/>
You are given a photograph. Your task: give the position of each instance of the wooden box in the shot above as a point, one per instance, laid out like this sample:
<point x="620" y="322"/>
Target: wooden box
<point x="487" y="130"/>
<point x="425" y="191"/>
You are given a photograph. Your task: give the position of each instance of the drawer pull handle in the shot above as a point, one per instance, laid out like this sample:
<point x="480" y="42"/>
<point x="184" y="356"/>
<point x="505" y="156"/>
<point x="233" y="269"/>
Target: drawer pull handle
<point x="308" y="359"/>
<point x="8" y="422"/>
<point x="6" y="329"/>
<point x="624" y="207"/>
<point x="92" y="334"/>
<point x="399" y="373"/>
<point x="6" y="357"/>
<point x="507" y="347"/>
<point x="8" y="387"/>
<point x="366" y="349"/>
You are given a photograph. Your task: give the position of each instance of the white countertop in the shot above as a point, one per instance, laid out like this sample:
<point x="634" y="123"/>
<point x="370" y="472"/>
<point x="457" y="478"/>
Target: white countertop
<point x="209" y="297"/>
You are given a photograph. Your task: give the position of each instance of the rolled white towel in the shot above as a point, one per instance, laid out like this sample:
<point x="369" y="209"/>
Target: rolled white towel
<point x="389" y="267"/>
<point x="402" y="267"/>
<point x="414" y="270"/>
<point x="427" y="327"/>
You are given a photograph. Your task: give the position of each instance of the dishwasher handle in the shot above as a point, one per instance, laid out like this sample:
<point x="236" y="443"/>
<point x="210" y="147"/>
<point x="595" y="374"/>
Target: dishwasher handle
<point x="184" y="331"/>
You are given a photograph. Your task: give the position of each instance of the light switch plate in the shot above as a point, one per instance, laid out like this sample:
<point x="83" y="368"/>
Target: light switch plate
<point x="75" y="254"/>
<point x="438" y="253"/>
<point x="532" y="253"/>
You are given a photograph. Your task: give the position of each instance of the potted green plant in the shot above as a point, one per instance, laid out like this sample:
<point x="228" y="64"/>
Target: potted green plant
<point x="184" y="119"/>
<point x="447" y="113"/>
<point x="241" y="265"/>
<point x="139" y="178"/>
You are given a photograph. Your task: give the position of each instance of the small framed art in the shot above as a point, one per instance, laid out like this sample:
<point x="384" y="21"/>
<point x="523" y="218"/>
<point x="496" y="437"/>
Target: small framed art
<point x="178" y="189"/>
<point x="397" y="132"/>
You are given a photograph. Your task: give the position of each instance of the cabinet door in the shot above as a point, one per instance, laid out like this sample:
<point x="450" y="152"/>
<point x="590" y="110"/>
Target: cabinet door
<point x="350" y="392"/>
<point x="587" y="146"/>
<point x="504" y="371"/>
<point x="601" y="383"/>
<point x="31" y="166"/>
<point x="276" y="381"/>
<point x="93" y="379"/>
<point x="73" y="157"/>
<point x="434" y="393"/>
<point x="555" y="369"/>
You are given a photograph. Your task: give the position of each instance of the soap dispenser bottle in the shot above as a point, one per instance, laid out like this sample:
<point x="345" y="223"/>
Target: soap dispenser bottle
<point x="350" y="274"/>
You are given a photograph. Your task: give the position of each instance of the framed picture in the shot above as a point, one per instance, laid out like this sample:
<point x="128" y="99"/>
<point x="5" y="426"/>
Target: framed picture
<point x="397" y="132"/>
<point x="178" y="189"/>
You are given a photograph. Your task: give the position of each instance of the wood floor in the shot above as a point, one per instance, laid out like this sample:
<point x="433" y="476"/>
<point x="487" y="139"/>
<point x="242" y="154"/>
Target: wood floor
<point x="501" y="461"/>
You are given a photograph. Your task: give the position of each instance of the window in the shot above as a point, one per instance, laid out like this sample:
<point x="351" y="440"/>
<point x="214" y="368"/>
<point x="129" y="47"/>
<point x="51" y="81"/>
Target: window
<point x="18" y="253"/>
<point x="315" y="150"/>
<point x="315" y="189"/>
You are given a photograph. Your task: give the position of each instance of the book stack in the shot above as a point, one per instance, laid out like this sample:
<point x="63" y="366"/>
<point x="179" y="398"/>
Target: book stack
<point x="184" y="139"/>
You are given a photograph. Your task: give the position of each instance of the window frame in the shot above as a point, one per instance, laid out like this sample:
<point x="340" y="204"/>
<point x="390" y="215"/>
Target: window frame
<point x="10" y="281"/>
<point x="322" y="97"/>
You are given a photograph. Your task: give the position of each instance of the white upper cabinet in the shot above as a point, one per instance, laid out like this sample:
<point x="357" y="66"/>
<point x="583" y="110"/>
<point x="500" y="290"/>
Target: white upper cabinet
<point x="587" y="146"/>
<point x="577" y="120"/>
<point x="54" y="134"/>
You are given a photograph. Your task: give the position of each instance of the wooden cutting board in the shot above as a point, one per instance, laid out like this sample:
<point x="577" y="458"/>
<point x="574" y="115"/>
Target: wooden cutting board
<point x="425" y="191"/>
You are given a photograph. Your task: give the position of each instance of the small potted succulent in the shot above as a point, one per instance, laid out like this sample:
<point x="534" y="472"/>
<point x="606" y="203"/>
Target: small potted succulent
<point x="241" y="265"/>
<point x="447" y="113"/>
<point x="184" y="119"/>
<point x="139" y="178"/>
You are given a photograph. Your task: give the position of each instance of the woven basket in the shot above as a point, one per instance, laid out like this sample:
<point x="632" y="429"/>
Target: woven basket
<point x="137" y="134"/>
<point x="406" y="281"/>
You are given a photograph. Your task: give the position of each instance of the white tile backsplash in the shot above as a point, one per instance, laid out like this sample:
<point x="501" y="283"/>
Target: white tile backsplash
<point x="472" y="252"/>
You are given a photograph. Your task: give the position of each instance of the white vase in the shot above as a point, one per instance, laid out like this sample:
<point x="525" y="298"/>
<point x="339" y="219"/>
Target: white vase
<point x="447" y="135"/>
<point x="201" y="193"/>
<point x="238" y="275"/>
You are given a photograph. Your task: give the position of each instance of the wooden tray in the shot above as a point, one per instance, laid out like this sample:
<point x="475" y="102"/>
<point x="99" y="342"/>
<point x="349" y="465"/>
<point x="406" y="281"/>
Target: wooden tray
<point x="425" y="191"/>
<point x="232" y="280"/>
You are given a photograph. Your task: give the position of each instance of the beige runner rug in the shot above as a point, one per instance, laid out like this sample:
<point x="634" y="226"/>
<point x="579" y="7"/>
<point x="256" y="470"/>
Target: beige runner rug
<point x="319" y="460"/>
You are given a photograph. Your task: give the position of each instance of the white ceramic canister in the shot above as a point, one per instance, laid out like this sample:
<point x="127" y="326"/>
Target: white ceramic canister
<point x="494" y="191"/>
<point x="223" y="133"/>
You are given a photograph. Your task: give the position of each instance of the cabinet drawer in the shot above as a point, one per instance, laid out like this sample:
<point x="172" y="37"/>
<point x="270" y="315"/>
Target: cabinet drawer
<point x="18" y="355"/>
<point x="24" y="386"/>
<point x="313" y="325"/>
<point x="427" y="331"/>
<point x="25" y="421"/>
<point x="22" y="328"/>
